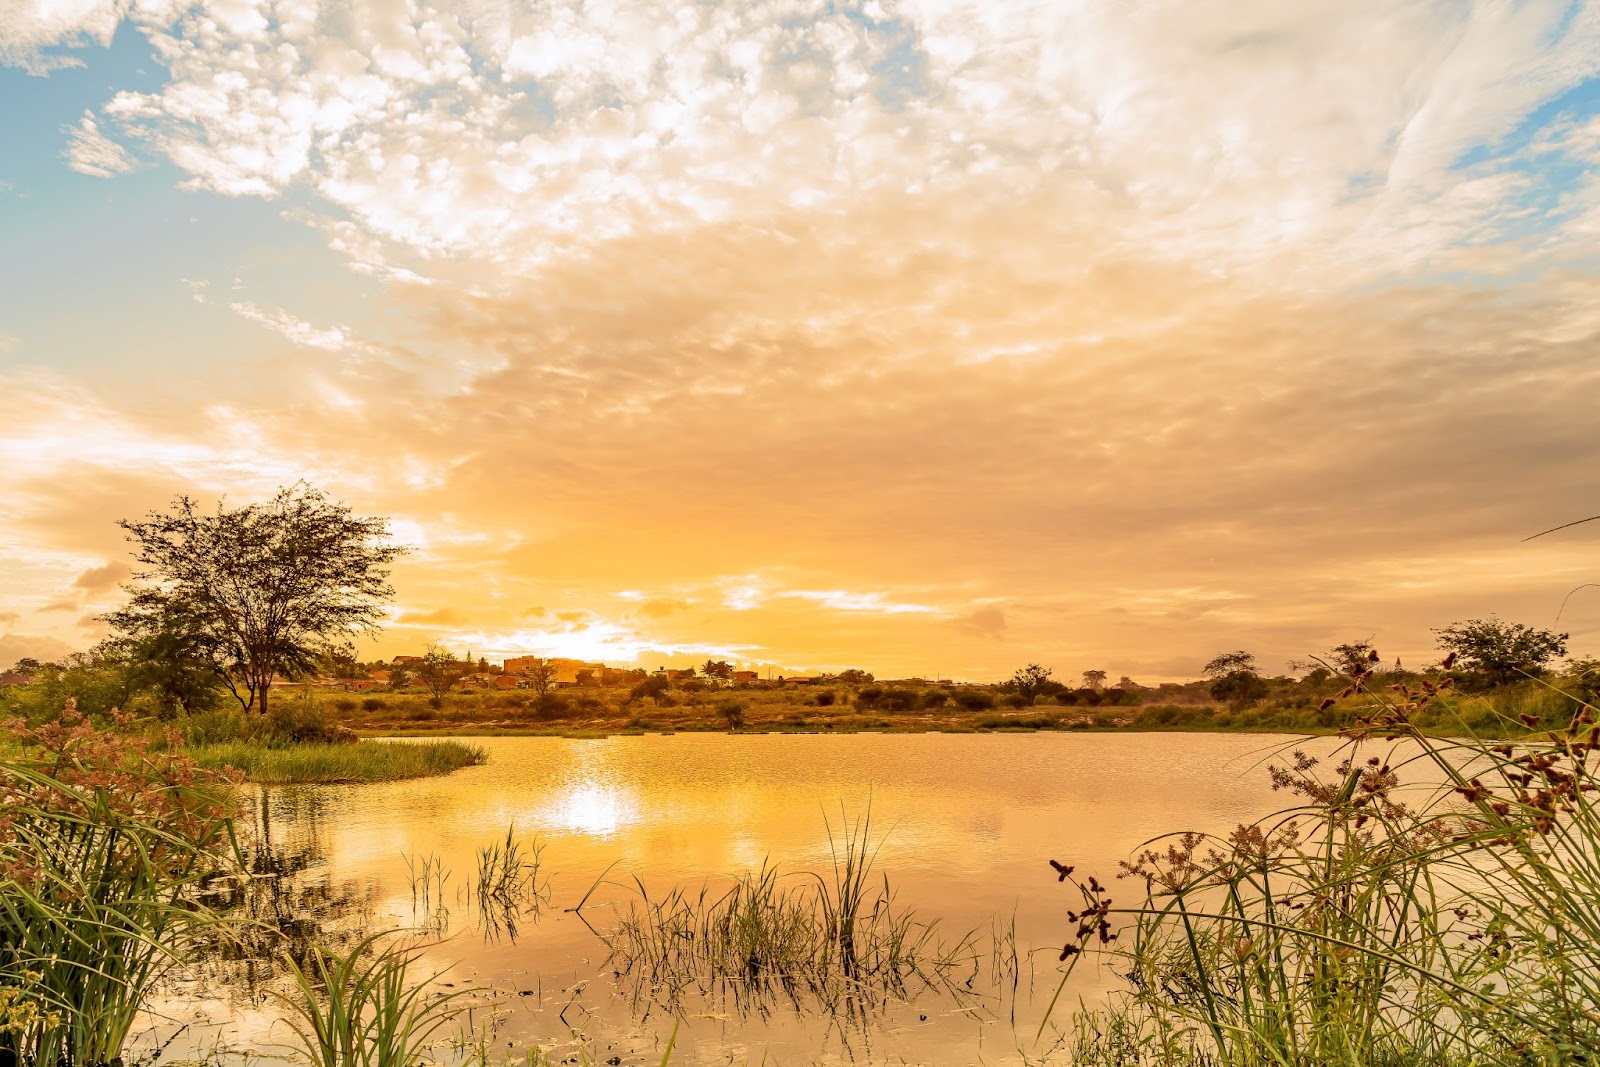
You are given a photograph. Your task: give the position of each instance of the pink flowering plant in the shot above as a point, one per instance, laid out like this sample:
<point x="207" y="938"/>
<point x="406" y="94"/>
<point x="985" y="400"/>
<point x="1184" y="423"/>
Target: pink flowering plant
<point x="102" y="841"/>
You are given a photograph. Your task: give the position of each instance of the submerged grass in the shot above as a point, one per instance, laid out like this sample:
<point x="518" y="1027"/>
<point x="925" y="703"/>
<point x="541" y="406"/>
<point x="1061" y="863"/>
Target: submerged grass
<point x="365" y="761"/>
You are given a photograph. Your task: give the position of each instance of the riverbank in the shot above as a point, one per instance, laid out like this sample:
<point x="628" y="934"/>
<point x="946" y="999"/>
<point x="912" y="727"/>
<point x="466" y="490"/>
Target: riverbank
<point x="1512" y="712"/>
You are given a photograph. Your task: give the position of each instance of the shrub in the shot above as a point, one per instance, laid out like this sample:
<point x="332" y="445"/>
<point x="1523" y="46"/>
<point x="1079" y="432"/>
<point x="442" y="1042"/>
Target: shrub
<point x="374" y="704"/>
<point x="935" y="698"/>
<point x="868" y="696"/>
<point x="898" y="700"/>
<point x="826" y="698"/>
<point x="974" y="700"/>
<point x="550" y="706"/>
<point x="732" y="713"/>
<point x="345" y="704"/>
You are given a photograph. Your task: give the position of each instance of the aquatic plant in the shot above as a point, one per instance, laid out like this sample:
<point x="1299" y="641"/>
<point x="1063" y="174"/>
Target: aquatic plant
<point x="365" y="1008"/>
<point x="508" y="883"/>
<point x="828" y="937"/>
<point x="101" y="843"/>
<point x="1454" y="922"/>
<point x="365" y="761"/>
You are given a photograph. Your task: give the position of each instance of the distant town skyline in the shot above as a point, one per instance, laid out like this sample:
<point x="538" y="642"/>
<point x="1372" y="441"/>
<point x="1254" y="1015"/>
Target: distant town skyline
<point x="922" y="336"/>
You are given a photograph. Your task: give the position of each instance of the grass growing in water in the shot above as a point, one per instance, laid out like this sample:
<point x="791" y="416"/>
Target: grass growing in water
<point x="364" y="1008"/>
<point x="508" y="884"/>
<point x="101" y="843"/>
<point x="829" y="940"/>
<point x="366" y="761"/>
<point x="1458" y="923"/>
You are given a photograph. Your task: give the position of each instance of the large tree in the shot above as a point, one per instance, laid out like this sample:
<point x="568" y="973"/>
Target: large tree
<point x="1503" y="651"/>
<point x="262" y="590"/>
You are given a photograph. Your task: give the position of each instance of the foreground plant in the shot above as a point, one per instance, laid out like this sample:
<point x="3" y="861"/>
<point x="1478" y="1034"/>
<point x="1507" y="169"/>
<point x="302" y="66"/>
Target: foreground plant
<point x="1459" y="925"/>
<point x="101" y="843"/>
<point x="365" y="1008"/>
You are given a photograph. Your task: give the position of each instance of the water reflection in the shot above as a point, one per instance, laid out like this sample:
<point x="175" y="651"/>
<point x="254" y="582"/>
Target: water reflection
<point x="968" y="823"/>
<point x="282" y="901"/>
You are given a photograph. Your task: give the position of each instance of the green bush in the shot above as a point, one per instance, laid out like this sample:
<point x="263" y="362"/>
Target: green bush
<point x="974" y="700"/>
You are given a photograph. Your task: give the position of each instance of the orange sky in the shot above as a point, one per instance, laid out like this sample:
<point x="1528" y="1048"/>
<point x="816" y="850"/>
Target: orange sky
<point x="928" y="337"/>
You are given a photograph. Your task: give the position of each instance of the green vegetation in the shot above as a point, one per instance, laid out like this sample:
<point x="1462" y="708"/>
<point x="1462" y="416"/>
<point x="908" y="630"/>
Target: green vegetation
<point x="362" y="1008"/>
<point x="101" y="842"/>
<point x="1445" y="925"/>
<point x="366" y="761"/>
<point x="829" y="937"/>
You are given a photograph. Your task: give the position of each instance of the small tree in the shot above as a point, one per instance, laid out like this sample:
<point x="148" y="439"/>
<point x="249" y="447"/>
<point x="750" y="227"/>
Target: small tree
<point x="1352" y="657"/>
<point x="732" y="713"/>
<point x="541" y="675"/>
<point x="719" y="669"/>
<point x="1234" y="678"/>
<point x="1095" y="680"/>
<point x="1502" y="651"/>
<point x="439" y="671"/>
<point x="263" y="590"/>
<point x="854" y="676"/>
<point x="1030" y="681"/>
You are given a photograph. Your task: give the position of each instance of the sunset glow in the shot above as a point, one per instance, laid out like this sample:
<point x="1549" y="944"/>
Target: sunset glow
<point x="933" y="337"/>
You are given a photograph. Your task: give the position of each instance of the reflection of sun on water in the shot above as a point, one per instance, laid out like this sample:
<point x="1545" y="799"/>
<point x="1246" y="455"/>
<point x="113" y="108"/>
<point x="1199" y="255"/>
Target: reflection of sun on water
<point x="590" y="808"/>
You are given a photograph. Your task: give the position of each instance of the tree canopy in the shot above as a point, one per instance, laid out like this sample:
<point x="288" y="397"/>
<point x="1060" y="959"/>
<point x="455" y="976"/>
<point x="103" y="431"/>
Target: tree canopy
<point x="257" y="591"/>
<point x="1501" y="650"/>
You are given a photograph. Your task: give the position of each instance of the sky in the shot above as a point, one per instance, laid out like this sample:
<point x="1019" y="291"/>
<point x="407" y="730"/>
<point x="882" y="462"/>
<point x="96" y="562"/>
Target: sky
<point x="934" y="337"/>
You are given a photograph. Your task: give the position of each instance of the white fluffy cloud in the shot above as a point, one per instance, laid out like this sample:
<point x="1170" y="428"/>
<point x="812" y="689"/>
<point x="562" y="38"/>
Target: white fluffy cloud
<point x="1236" y="134"/>
<point x="29" y="27"/>
<point x="895" y="325"/>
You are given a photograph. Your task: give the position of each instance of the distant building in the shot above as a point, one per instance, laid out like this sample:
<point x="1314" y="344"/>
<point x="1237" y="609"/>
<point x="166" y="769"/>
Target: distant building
<point x="746" y="676"/>
<point x="406" y="659"/>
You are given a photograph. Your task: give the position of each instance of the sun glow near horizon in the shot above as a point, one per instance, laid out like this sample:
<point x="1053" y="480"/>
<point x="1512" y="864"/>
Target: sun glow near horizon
<point x="925" y="336"/>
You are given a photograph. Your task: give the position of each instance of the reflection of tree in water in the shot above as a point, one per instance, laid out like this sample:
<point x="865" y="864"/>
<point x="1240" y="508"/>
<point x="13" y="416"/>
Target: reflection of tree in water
<point x="284" y="900"/>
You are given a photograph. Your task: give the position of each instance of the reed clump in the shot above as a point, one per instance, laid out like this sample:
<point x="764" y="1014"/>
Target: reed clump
<point x="1452" y="921"/>
<point x="102" y="845"/>
<point x="363" y="761"/>
<point x="829" y="938"/>
<point x="365" y="1007"/>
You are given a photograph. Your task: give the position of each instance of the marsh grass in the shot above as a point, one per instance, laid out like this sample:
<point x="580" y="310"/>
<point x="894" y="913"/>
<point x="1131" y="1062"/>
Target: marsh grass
<point x="101" y="846"/>
<point x="508" y="884"/>
<point x="831" y="941"/>
<point x="365" y="1007"/>
<point x="1453" y="922"/>
<point x="365" y="761"/>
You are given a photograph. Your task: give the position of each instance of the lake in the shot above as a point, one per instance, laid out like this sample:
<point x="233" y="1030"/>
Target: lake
<point x="967" y="825"/>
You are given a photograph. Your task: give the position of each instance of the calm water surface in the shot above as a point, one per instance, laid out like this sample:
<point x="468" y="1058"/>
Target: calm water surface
<point x="968" y="823"/>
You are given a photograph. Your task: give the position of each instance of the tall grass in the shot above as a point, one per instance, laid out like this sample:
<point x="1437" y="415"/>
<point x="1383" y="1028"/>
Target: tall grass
<point x="101" y="844"/>
<point x="827" y="939"/>
<point x="1456" y="921"/>
<point x="365" y="761"/>
<point x="508" y="884"/>
<point x="364" y="1008"/>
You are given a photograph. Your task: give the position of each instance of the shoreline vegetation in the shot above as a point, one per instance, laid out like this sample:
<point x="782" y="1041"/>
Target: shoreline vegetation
<point x="335" y="764"/>
<point x="1510" y="710"/>
<point x="1375" y="920"/>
